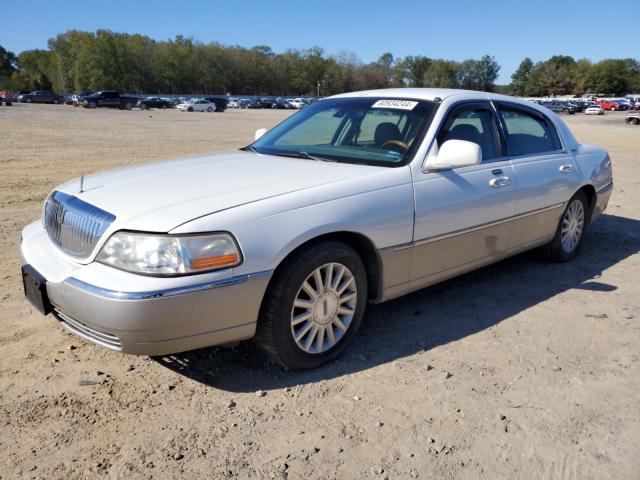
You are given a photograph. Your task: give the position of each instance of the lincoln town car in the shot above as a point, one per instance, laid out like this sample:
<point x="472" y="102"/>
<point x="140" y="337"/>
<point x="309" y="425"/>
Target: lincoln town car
<point x="357" y="199"/>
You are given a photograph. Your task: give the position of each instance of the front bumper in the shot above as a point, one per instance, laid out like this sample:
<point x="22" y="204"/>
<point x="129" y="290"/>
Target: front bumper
<point x="162" y="316"/>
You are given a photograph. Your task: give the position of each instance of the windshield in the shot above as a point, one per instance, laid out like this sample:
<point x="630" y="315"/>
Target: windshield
<point x="372" y="131"/>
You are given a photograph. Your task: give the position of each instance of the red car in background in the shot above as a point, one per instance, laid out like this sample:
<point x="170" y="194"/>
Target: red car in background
<point x="607" y="105"/>
<point x="6" y="96"/>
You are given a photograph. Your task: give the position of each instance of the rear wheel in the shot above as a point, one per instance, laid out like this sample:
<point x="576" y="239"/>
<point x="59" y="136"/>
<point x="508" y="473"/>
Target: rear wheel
<point x="28" y="100"/>
<point x="635" y="121"/>
<point x="568" y="238"/>
<point x="128" y="106"/>
<point x="313" y="307"/>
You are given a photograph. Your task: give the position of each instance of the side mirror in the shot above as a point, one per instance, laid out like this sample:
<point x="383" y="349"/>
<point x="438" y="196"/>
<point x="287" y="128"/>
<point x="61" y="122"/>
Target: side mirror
<point x="260" y="132"/>
<point x="455" y="154"/>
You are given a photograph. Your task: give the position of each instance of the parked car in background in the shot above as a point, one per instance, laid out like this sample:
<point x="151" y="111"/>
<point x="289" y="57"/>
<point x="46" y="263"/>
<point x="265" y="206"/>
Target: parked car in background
<point x="360" y="198"/>
<point x="622" y="105"/>
<point x="154" y="102"/>
<point x="297" y="102"/>
<point x="282" y="104"/>
<point x="220" y="103"/>
<point x="608" y="105"/>
<point x="559" y="106"/>
<point x="41" y="96"/>
<point x="108" y="99"/>
<point x="633" y="117"/>
<point x="6" y="97"/>
<point x="594" y="109"/>
<point x="67" y="99"/>
<point x="197" y="105"/>
<point x="78" y="98"/>
<point x="233" y="103"/>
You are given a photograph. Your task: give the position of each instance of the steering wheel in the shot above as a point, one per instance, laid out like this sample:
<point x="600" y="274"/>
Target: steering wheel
<point x="398" y="143"/>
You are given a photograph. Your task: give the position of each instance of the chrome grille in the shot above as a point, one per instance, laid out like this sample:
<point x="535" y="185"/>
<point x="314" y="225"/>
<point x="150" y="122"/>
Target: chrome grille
<point x="74" y="225"/>
<point x="105" y="339"/>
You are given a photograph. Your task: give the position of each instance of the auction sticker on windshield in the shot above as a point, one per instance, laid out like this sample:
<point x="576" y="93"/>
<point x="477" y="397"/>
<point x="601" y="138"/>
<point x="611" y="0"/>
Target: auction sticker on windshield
<point x="397" y="104"/>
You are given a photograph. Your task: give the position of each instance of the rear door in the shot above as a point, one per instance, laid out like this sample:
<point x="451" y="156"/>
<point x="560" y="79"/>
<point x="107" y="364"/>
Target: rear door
<point x="463" y="215"/>
<point x="544" y="169"/>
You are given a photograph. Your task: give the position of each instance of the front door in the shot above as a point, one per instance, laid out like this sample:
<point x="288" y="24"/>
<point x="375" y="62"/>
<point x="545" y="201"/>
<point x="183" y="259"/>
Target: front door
<point x="463" y="216"/>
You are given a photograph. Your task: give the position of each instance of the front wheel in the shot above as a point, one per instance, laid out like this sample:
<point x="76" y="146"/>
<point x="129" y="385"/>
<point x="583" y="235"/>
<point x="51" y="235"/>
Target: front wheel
<point x="568" y="238"/>
<point x="190" y="109"/>
<point x="313" y="307"/>
<point x="209" y="109"/>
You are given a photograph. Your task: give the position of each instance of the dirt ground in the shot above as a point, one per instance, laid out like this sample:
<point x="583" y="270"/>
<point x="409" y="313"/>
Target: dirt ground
<point x="524" y="369"/>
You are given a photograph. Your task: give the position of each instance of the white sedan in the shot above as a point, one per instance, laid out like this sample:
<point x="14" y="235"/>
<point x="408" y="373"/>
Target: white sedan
<point x="594" y="110"/>
<point x="197" y="105"/>
<point x="358" y="198"/>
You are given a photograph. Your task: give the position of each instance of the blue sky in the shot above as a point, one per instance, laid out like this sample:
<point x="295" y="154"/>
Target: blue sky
<point x="460" y="29"/>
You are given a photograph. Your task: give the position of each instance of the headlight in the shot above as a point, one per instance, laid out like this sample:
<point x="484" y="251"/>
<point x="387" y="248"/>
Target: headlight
<point x="168" y="255"/>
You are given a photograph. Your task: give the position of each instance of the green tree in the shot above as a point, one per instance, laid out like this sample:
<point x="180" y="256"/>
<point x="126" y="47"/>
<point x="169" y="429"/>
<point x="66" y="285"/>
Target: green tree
<point x="520" y="78"/>
<point x="7" y="66"/>
<point x="442" y="73"/>
<point x="611" y="76"/>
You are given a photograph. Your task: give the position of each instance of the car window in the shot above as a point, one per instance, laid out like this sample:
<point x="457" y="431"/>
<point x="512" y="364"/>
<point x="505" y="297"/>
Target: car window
<point x="369" y="130"/>
<point x="473" y="123"/>
<point x="527" y="133"/>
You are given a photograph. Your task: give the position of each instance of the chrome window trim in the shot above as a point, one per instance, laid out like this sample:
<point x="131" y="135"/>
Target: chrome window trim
<point x="168" y="292"/>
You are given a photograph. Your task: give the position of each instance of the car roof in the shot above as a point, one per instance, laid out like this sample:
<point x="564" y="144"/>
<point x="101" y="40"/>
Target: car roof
<point x="421" y="93"/>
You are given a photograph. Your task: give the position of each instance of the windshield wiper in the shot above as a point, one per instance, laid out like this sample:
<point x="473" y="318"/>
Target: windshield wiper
<point x="306" y="155"/>
<point x="250" y="148"/>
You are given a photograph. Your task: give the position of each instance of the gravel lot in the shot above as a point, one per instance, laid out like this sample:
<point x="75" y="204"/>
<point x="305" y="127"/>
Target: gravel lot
<point x="524" y="369"/>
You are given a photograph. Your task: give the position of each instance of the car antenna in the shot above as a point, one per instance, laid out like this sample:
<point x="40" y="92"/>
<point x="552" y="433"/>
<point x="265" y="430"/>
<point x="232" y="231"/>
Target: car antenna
<point x="82" y="183"/>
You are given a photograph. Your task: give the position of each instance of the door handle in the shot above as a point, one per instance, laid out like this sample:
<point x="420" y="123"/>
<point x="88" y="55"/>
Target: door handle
<point x="499" y="182"/>
<point x="566" y="168"/>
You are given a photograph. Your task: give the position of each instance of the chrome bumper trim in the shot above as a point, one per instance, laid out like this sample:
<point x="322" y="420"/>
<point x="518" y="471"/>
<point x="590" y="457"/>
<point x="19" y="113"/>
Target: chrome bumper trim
<point x="118" y="295"/>
<point x="80" y="329"/>
<point x="604" y="189"/>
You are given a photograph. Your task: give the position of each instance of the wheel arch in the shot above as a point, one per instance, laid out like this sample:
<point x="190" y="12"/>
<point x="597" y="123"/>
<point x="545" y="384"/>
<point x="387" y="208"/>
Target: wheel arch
<point x="590" y="192"/>
<point x="362" y="245"/>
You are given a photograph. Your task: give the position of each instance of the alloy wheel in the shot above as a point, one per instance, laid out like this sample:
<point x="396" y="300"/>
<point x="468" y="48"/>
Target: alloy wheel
<point x="324" y="308"/>
<point x="572" y="226"/>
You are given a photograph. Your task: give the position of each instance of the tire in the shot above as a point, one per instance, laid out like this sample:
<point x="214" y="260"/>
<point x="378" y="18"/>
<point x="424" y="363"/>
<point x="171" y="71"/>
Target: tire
<point x="565" y="246"/>
<point x="56" y="101"/>
<point x="28" y="100"/>
<point x="128" y="106"/>
<point x="93" y="105"/>
<point x="209" y="109"/>
<point x="635" y="121"/>
<point x="275" y="331"/>
<point x="190" y="109"/>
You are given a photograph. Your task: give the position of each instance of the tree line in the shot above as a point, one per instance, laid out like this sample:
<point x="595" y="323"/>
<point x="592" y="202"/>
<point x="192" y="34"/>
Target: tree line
<point x="77" y="61"/>
<point x="562" y="75"/>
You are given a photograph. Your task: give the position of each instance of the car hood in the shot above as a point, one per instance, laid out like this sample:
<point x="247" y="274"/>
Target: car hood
<point x="159" y="196"/>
